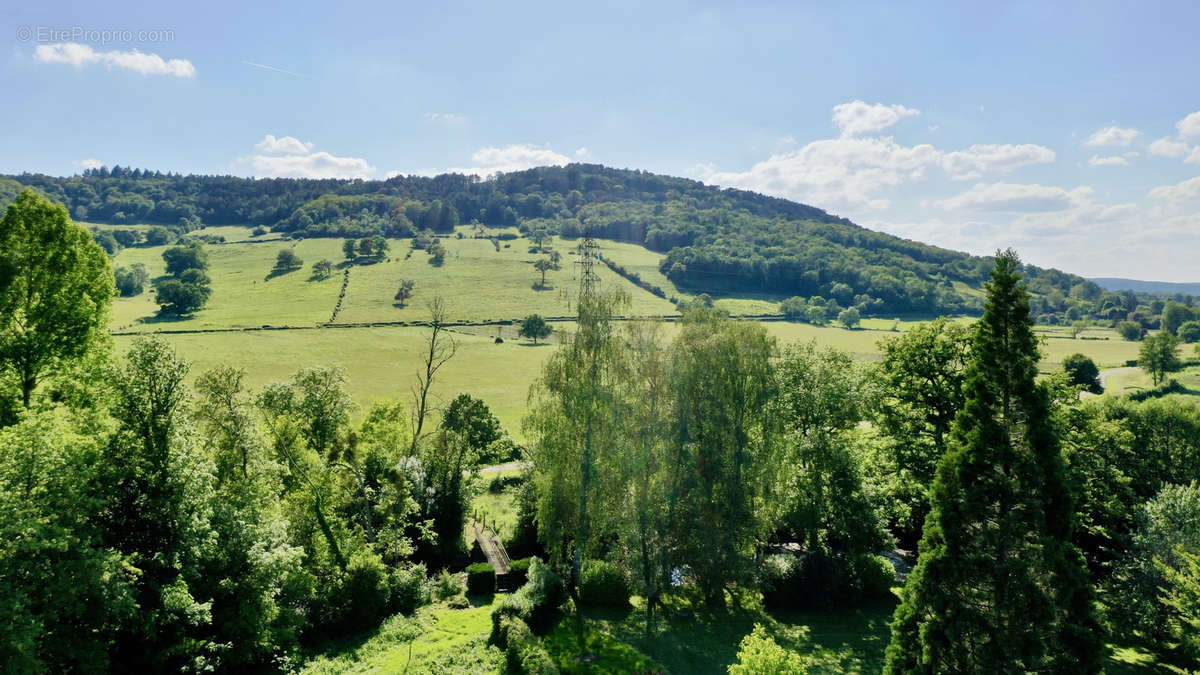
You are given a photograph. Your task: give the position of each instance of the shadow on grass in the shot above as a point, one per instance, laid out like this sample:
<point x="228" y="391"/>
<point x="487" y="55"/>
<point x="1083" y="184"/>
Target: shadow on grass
<point x="688" y="638"/>
<point x="278" y="273"/>
<point x="481" y="600"/>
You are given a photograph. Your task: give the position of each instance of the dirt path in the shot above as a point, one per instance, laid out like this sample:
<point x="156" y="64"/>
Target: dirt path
<point x="1103" y="378"/>
<point x="497" y="468"/>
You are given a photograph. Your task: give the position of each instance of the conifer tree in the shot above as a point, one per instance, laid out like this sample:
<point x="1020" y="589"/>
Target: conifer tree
<point x="999" y="587"/>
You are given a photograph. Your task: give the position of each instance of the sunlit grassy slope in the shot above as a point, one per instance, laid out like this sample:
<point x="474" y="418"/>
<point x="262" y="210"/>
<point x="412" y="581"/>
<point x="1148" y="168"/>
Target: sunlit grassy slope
<point x="478" y="283"/>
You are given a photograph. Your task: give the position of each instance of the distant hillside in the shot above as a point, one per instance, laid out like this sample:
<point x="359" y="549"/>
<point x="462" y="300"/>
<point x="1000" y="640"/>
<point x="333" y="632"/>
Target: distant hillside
<point x="715" y="240"/>
<point x="1164" y="287"/>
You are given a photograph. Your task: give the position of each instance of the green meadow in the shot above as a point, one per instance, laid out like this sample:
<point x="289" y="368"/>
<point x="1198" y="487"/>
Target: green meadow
<point x="478" y="283"/>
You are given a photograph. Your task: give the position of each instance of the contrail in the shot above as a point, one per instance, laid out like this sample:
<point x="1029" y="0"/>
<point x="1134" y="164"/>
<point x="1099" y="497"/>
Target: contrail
<point x="278" y="70"/>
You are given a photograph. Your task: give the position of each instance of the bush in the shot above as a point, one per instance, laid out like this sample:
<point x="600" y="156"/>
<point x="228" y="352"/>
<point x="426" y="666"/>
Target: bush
<point x="759" y="654"/>
<point x="536" y="603"/>
<point x="821" y="579"/>
<point x="873" y="576"/>
<point x="407" y="588"/>
<point x="604" y="584"/>
<point x="258" y="231"/>
<point x="518" y="571"/>
<point x="1168" y="387"/>
<point x="1130" y="330"/>
<point x="1083" y="372"/>
<point x="481" y="579"/>
<point x="364" y="593"/>
<point x="446" y="585"/>
<point x="546" y="593"/>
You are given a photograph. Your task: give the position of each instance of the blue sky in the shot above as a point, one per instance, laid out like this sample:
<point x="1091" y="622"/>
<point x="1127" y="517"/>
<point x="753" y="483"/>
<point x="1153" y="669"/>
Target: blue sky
<point x="1070" y="131"/>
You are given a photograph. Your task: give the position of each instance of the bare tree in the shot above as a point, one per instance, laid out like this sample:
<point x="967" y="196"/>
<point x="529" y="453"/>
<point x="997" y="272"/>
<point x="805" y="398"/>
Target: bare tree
<point x="440" y="348"/>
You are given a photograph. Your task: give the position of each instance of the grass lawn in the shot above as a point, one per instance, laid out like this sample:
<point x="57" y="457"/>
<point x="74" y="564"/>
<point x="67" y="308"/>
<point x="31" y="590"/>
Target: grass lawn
<point x="437" y="639"/>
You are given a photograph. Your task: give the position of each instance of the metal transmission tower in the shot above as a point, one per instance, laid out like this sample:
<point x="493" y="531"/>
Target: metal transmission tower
<point x="588" y="254"/>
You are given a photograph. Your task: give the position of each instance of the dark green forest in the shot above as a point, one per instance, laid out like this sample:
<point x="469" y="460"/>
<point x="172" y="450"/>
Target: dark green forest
<point x="716" y="240"/>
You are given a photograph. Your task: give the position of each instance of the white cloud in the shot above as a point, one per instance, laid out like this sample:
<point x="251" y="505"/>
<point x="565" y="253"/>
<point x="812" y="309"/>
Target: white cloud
<point x="284" y="145"/>
<point x="316" y="165"/>
<point x="976" y="160"/>
<point x="859" y="117"/>
<point x="78" y="55"/>
<point x="581" y="152"/>
<point x="1116" y="160"/>
<point x="289" y="157"/>
<point x="90" y="163"/>
<point x="446" y="117"/>
<point x="1194" y="158"/>
<point x="834" y="173"/>
<point x="1165" y="147"/>
<point x="516" y="157"/>
<point x="1112" y="136"/>
<point x="1190" y="125"/>
<point x="1015" y="197"/>
<point x="1186" y="191"/>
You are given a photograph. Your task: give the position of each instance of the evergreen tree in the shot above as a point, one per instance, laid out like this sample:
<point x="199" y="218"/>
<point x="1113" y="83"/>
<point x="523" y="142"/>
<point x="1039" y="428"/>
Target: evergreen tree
<point x="999" y="587"/>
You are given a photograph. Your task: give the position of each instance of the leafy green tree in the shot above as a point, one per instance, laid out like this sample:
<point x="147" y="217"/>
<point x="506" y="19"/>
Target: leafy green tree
<point x="56" y="287"/>
<point x="998" y="585"/>
<point x="535" y="327"/>
<point x="323" y="269"/>
<point x="724" y="448"/>
<point x="1189" y="331"/>
<point x="849" y="318"/>
<point x="350" y="249"/>
<point x="404" y="292"/>
<point x="1130" y="330"/>
<point x="1159" y="355"/>
<point x="286" y="261"/>
<point x="543" y="265"/>
<point x="132" y="280"/>
<point x="158" y="492"/>
<point x="158" y="236"/>
<point x="63" y="594"/>
<point x="794" y="308"/>
<point x="574" y="428"/>
<point x="1167" y="532"/>
<point x="922" y="373"/>
<point x="470" y="419"/>
<point x="437" y="253"/>
<point x="816" y="315"/>
<point x="1083" y="372"/>
<point x="182" y="258"/>
<point x="1182" y="595"/>
<point x="822" y="396"/>
<point x="177" y="297"/>
<point x="1173" y="316"/>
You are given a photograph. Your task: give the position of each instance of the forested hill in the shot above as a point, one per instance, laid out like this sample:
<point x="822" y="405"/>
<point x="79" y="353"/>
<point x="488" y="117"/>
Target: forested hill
<point x="715" y="240"/>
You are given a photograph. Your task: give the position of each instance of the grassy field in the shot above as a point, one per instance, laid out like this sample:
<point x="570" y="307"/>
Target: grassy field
<point x="242" y="293"/>
<point x="478" y="283"/>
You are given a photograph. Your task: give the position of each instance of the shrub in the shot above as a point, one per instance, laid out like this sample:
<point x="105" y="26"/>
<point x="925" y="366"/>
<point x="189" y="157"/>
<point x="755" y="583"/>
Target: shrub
<point x="446" y="585"/>
<point x="873" y="576"/>
<point x="458" y="602"/>
<point x="604" y="584"/>
<point x="515" y="606"/>
<point x="258" y="231"/>
<point x="481" y="579"/>
<point x="1130" y="330"/>
<point x="407" y="588"/>
<point x="536" y="603"/>
<point x="546" y="592"/>
<point x="518" y="571"/>
<point x="365" y="592"/>
<point x="820" y="579"/>
<point x="759" y="654"/>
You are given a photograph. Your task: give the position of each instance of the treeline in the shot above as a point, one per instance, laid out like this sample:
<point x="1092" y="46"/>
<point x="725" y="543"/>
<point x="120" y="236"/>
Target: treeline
<point x="717" y="463"/>
<point x="716" y="240"/>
